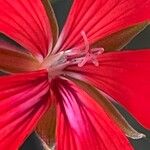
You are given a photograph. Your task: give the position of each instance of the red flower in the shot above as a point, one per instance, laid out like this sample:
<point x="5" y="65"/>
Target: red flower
<point x="72" y="71"/>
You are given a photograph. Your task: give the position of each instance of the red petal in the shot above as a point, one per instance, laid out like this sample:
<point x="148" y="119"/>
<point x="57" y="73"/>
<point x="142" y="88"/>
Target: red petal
<point x="99" y="19"/>
<point x="82" y="124"/>
<point x="7" y="44"/>
<point x="125" y="76"/>
<point x="26" y="22"/>
<point x="23" y="100"/>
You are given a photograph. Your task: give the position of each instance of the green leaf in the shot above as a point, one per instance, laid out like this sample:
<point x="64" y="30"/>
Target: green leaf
<point x="109" y="108"/>
<point x="118" y="40"/>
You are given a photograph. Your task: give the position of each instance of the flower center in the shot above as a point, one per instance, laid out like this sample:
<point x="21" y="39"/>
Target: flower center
<point x="87" y="55"/>
<point x="56" y="63"/>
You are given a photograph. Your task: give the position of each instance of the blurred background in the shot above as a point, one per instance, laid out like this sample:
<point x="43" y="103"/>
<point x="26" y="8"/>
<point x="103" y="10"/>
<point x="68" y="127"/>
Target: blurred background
<point x="61" y="8"/>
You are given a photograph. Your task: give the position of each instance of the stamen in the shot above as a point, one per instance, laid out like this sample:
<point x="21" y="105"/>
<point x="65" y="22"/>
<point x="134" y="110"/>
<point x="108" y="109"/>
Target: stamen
<point x="86" y="42"/>
<point x="56" y="63"/>
<point x="54" y="71"/>
<point x="52" y="60"/>
<point x="90" y="55"/>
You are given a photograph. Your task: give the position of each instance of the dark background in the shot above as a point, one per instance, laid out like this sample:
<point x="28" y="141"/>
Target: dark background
<point x="61" y="8"/>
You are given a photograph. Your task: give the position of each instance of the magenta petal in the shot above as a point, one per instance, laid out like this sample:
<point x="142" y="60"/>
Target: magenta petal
<point x="82" y="124"/>
<point x="23" y="100"/>
<point x="125" y="76"/>
<point x="26" y="22"/>
<point x="100" y="18"/>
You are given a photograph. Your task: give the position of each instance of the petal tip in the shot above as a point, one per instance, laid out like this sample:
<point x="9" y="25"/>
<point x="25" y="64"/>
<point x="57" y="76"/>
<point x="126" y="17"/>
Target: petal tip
<point x="136" y="136"/>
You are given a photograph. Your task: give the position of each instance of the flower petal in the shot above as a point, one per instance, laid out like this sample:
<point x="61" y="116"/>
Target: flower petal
<point x="45" y="146"/>
<point x="23" y="100"/>
<point x="8" y="43"/>
<point x="125" y="76"/>
<point x="21" y="21"/>
<point x="46" y="127"/>
<point x="109" y="109"/>
<point x="82" y="124"/>
<point x="99" y="19"/>
<point x="118" y="40"/>
<point x="14" y="61"/>
<point x="52" y="19"/>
